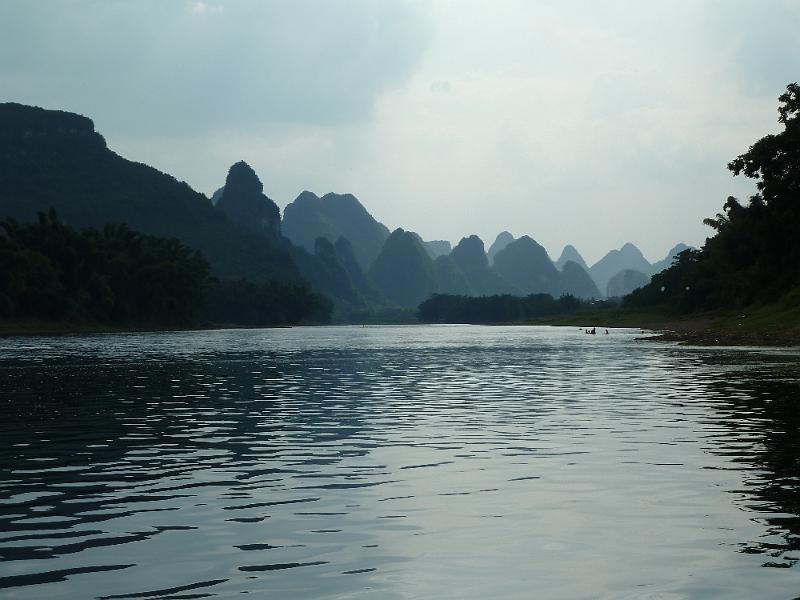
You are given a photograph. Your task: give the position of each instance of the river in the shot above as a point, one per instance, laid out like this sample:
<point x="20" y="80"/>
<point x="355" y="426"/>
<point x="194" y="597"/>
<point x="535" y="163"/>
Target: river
<point x="397" y="462"/>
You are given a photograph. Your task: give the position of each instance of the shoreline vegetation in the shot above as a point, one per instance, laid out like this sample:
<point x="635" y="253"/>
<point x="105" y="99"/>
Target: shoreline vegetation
<point x="769" y="326"/>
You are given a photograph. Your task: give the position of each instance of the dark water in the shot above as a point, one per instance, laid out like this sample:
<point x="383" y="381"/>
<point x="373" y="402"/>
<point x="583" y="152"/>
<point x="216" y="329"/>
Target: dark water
<point x="389" y="462"/>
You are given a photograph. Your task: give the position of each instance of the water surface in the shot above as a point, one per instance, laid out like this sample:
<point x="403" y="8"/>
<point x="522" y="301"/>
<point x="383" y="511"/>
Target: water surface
<point x="396" y="462"/>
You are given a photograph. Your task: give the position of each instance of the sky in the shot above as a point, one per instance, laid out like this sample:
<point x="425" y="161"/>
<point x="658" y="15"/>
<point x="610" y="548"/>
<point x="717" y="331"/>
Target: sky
<point x="592" y="122"/>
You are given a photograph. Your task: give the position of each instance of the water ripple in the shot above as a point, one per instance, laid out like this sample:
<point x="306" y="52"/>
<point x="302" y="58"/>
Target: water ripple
<point x="396" y="462"/>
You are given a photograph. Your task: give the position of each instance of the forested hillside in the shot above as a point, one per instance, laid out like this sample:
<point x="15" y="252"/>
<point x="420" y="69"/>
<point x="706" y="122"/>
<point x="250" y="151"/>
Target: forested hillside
<point x="119" y="277"/>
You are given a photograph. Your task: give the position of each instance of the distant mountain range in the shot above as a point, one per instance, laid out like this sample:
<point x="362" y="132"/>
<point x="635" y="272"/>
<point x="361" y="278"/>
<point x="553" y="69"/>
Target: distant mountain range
<point x="56" y="159"/>
<point x="570" y="253"/>
<point x="309" y="217"/>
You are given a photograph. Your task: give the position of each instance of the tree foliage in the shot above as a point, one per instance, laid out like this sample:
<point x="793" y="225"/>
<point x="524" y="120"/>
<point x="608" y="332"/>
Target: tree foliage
<point x="116" y="275"/>
<point x="121" y="277"/>
<point x="754" y="255"/>
<point x="505" y="308"/>
<point x="242" y="302"/>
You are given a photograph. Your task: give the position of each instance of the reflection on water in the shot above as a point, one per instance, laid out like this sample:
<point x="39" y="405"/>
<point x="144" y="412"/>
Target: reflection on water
<point x="396" y="462"/>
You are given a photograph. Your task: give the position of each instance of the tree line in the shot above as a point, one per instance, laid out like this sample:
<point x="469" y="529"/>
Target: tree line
<point x="118" y="276"/>
<point x="505" y="308"/>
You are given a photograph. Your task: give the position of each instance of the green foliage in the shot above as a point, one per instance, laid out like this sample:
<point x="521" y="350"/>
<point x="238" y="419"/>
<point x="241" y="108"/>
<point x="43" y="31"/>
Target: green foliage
<point x="754" y="257"/>
<point x="242" y="302"/>
<point x="50" y="271"/>
<point x="445" y="308"/>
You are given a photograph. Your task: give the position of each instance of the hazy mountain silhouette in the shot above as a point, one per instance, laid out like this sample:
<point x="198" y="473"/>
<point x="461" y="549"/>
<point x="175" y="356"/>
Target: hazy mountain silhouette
<point x="526" y="265"/>
<point x="244" y="202"/>
<point x="437" y="248"/>
<point x="450" y="278"/>
<point x="359" y="280"/>
<point x="56" y="159"/>
<point x="403" y="272"/>
<point x="470" y="258"/>
<point x="434" y="248"/>
<point x="624" y="282"/>
<point x="332" y="216"/>
<point x="333" y="276"/>
<point x="570" y="253"/>
<point x="503" y="239"/>
<point x="627" y="257"/>
<point x="660" y="265"/>
<point x="576" y="280"/>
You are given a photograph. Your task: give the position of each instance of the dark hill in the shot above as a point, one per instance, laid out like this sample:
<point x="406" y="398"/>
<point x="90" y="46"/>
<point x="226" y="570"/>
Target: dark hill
<point x="403" y="271"/>
<point x="503" y="239"/>
<point x="450" y="278"/>
<point x="624" y="282"/>
<point x="666" y="263"/>
<point x="56" y="159"/>
<point x="244" y="202"/>
<point x="437" y="248"/>
<point x="359" y="280"/>
<point x="525" y="264"/>
<point x="575" y="280"/>
<point x="333" y="216"/>
<point x="470" y="257"/>
<point x="570" y="253"/>
<point x="627" y="257"/>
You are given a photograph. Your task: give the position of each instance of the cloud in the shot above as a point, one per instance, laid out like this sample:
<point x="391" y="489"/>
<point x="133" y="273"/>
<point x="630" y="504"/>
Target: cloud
<point x="257" y="62"/>
<point x="592" y="123"/>
<point x="201" y="8"/>
<point x="441" y="87"/>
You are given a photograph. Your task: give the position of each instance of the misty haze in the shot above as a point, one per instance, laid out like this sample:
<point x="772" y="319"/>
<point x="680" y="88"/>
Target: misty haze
<point x="399" y="299"/>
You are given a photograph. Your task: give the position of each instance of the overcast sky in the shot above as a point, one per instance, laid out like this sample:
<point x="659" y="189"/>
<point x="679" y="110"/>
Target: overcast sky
<point x="592" y="123"/>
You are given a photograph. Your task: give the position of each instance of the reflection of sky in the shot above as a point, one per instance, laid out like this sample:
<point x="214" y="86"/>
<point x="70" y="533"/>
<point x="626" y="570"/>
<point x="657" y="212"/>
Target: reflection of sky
<point x="591" y="123"/>
<point x="415" y="462"/>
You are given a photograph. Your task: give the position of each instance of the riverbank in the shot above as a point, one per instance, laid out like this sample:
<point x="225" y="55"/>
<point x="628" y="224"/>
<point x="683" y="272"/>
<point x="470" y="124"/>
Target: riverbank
<point x="772" y="325"/>
<point x="46" y="328"/>
<point x="39" y="327"/>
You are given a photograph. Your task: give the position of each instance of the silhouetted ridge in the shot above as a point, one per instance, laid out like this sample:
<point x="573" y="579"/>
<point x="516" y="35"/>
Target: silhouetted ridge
<point x="55" y="159"/>
<point x="624" y="282"/>
<point x="362" y="285"/>
<point x="503" y="239"/>
<point x="30" y="124"/>
<point x="332" y="216"/>
<point x="450" y="278"/>
<point x="403" y="271"/>
<point x="575" y="280"/>
<point x="666" y="263"/>
<point x="627" y="257"/>
<point x="244" y="202"/>
<point x="571" y="253"/>
<point x="437" y="248"/>
<point x="470" y="257"/>
<point x="469" y="254"/>
<point x="526" y="265"/>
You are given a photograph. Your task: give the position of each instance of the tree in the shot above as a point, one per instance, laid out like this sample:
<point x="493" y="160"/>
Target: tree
<point x="754" y="255"/>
